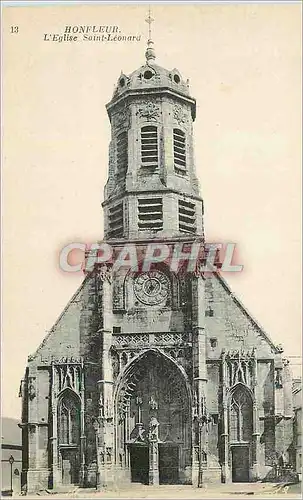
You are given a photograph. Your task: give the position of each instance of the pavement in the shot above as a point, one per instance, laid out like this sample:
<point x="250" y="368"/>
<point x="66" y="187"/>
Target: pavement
<point x="139" y="491"/>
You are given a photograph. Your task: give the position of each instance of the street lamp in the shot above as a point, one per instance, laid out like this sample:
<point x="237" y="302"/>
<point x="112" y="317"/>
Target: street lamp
<point x="11" y="461"/>
<point x="202" y="421"/>
<point x="96" y="428"/>
<point x="200" y="473"/>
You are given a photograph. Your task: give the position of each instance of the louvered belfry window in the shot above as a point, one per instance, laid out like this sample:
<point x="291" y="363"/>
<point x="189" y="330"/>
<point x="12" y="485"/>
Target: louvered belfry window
<point x="115" y="221"/>
<point x="150" y="214"/>
<point x="187" y="216"/>
<point x="179" y="150"/>
<point x="149" y="146"/>
<point x="122" y="155"/>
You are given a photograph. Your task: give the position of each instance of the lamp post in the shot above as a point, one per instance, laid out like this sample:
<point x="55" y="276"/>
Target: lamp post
<point x="200" y="473"/>
<point x="11" y="461"/>
<point x="202" y="420"/>
<point x="96" y="428"/>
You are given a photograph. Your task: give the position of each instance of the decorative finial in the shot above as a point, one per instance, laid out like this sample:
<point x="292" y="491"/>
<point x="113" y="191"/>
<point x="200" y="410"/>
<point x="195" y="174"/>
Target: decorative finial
<point x="150" y="52"/>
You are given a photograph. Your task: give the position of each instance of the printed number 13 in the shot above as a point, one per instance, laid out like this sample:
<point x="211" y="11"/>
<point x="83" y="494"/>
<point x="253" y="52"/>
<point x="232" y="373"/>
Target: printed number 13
<point x="14" y="29"/>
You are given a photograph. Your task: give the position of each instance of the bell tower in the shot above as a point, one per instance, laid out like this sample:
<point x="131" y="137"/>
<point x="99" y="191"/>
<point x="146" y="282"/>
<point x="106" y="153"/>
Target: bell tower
<point x="152" y="190"/>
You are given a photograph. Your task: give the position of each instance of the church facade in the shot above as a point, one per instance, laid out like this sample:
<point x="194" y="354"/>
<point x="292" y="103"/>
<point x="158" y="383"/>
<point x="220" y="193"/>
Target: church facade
<point x="157" y="376"/>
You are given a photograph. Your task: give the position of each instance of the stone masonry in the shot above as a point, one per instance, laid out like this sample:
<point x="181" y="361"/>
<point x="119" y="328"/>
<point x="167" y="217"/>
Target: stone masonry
<point x="155" y="376"/>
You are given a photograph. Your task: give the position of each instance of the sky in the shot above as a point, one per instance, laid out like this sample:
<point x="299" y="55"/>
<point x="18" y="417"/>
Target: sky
<point x="243" y="64"/>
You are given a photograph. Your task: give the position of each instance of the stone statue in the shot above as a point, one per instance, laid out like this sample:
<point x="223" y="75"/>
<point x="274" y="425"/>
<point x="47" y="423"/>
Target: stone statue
<point x="153" y="430"/>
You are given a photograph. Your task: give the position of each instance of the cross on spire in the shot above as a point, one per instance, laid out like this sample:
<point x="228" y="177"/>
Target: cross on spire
<point x="150" y="52"/>
<point x="149" y="21"/>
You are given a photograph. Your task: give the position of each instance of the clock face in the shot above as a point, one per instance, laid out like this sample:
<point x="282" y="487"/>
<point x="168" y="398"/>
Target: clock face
<point x="151" y="288"/>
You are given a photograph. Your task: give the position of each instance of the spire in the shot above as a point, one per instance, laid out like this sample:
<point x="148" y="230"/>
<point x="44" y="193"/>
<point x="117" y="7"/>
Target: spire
<point x="150" y="51"/>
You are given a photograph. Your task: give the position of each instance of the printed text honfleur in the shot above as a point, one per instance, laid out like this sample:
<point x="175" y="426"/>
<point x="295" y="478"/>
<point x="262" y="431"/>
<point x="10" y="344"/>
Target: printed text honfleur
<point x="91" y="33"/>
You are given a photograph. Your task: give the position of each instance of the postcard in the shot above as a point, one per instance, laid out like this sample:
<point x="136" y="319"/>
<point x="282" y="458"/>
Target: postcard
<point x="151" y="327"/>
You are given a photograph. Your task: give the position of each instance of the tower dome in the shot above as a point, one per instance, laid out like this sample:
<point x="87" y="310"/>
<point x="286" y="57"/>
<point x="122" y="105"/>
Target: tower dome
<point x="151" y="76"/>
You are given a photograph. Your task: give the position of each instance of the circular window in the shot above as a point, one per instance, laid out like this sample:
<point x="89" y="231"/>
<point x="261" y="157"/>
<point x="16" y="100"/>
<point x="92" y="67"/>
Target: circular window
<point x="176" y="79"/>
<point x="122" y="82"/>
<point x="148" y="74"/>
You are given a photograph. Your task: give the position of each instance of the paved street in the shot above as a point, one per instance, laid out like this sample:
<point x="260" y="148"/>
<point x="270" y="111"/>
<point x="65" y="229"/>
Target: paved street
<point x="138" y="491"/>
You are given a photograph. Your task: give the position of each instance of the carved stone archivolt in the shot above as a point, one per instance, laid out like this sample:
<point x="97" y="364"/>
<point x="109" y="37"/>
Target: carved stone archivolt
<point x="149" y="111"/>
<point x="125" y="347"/>
<point x="153" y="405"/>
<point x="174" y="385"/>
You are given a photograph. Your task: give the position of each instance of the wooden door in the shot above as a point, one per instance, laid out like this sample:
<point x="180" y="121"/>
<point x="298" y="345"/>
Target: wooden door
<point x="240" y="464"/>
<point x="139" y="463"/>
<point x="70" y="467"/>
<point x="168" y="464"/>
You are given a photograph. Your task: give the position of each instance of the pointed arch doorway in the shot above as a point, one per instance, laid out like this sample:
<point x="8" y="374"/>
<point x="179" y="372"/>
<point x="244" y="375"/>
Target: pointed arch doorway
<point x="153" y="420"/>
<point x="69" y="437"/>
<point x="240" y="433"/>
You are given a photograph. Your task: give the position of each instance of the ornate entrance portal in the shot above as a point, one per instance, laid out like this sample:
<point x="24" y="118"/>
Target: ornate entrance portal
<point x="153" y="431"/>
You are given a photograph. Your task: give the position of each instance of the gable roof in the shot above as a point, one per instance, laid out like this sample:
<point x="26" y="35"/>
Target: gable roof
<point x="66" y="308"/>
<point x="245" y="311"/>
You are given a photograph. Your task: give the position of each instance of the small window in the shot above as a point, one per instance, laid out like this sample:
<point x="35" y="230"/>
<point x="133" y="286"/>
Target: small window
<point x="213" y="342"/>
<point x="179" y="150"/>
<point x="176" y="79"/>
<point x="209" y="312"/>
<point x="149" y="146"/>
<point x="116" y="329"/>
<point x="148" y="74"/>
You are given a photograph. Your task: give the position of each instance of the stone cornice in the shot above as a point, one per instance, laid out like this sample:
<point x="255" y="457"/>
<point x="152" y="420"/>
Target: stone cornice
<point x="152" y="92"/>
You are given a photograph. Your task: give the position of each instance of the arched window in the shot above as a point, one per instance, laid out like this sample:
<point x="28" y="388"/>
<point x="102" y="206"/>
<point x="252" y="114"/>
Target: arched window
<point x="69" y="419"/>
<point x="149" y="146"/>
<point x="240" y="416"/>
<point x="179" y="150"/>
<point x="122" y="155"/>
